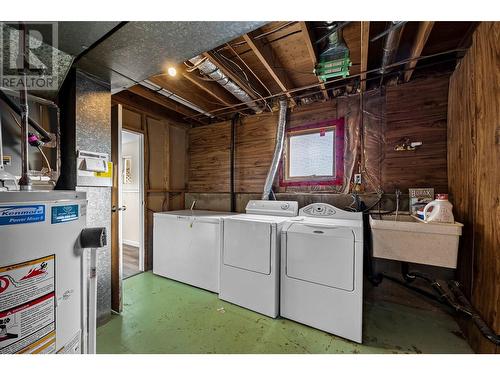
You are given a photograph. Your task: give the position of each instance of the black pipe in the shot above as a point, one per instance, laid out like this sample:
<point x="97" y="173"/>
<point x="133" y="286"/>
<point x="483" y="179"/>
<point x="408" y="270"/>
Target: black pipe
<point x="234" y="121"/>
<point x="476" y="318"/>
<point x="445" y="298"/>
<point x="45" y="136"/>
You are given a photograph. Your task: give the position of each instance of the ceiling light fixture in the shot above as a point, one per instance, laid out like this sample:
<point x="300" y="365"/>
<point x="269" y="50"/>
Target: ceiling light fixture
<point x="172" y="71"/>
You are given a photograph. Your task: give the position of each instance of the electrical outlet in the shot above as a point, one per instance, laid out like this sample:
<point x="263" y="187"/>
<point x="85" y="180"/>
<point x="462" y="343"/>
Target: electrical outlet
<point x="357" y="178"/>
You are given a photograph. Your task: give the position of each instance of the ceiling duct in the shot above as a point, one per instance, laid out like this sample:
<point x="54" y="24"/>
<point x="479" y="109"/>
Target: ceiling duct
<point x="208" y="68"/>
<point x="335" y="47"/>
<point x="391" y="45"/>
<point x="334" y="59"/>
<point x="170" y="95"/>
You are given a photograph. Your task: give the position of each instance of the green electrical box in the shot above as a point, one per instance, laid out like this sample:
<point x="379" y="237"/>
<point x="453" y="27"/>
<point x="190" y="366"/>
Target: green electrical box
<point x="337" y="67"/>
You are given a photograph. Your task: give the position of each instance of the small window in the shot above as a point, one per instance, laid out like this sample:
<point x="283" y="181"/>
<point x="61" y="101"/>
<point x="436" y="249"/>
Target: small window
<point x="313" y="155"/>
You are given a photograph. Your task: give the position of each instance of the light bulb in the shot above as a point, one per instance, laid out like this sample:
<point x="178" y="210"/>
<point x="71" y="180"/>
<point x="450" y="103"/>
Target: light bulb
<point x="172" y="71"/>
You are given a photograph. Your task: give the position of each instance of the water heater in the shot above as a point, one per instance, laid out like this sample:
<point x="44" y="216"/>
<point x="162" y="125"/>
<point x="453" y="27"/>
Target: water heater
<point x="47" y="290"/>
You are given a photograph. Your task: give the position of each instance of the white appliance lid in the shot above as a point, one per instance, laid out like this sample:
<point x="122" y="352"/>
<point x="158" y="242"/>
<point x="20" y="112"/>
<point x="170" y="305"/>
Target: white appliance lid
<point x="199" y="215"/>
<point x="276" y="208"/>
<point x="259" y="218"/>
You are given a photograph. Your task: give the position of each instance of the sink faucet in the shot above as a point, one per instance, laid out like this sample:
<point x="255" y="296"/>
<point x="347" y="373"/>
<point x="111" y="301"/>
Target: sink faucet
<point x="398" y="196"/>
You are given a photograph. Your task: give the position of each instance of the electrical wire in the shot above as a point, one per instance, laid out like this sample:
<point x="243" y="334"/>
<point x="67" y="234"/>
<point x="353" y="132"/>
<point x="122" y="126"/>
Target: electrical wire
<point x="341" y="79"/>
<point x="46" y="160"/>
<point x="246" y="79"/>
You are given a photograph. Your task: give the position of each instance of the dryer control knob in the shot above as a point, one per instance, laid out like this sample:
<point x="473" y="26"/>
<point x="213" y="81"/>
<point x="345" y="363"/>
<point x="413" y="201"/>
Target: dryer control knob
<point x="285" y="206"/>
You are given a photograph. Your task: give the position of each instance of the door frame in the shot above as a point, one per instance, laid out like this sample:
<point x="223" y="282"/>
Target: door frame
<point x="116" y="217"/>
<point x="141" y="196"/>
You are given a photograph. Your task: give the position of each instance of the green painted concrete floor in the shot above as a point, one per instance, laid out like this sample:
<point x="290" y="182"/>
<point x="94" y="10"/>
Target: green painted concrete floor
<point x="164" y="316"/>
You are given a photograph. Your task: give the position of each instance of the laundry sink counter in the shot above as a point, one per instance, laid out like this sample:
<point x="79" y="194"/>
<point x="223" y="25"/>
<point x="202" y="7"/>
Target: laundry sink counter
<point x="405" y="238"/>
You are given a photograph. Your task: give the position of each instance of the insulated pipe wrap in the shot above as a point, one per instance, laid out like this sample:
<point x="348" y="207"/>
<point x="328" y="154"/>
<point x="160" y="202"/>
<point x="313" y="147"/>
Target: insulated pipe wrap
<point x="209" y="69"/>
<point x="278" y="150"/>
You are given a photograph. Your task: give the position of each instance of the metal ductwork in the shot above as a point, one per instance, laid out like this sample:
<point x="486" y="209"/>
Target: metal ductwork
<point x="278" y="150"/>
<point x="209" y="69"/>
<point x="335" y="47"/>
<point x="334" y="58"/>
<point x="391" y="45"/>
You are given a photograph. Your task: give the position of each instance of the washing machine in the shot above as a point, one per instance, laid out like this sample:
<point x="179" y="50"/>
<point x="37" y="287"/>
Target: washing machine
<point x="322" y="270"/>
<point x="249" y="275"/>
<point x="186" y="246"/>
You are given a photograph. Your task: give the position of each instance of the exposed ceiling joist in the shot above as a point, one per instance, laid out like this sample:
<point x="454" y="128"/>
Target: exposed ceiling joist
<point x="267" y="57"/>
<point x="424" y="30"/>
<point x="312" y="53"/>
<point x="365" y="40"/>
<point x="230" y="74"/>
<point x="203" y="85"/>
<point x="163" y="101"/>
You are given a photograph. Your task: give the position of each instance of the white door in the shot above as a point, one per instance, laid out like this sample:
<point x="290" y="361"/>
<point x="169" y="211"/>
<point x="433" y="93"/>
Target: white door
<point x="247" y="245"/>
<point x="132" y="197"/>
<point x="321" y="254"/>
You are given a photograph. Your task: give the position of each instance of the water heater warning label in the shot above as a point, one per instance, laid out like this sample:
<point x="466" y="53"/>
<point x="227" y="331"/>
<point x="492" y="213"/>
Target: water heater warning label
<point x="27" y="307"/>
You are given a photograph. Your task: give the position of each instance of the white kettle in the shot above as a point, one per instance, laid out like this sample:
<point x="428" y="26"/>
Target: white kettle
<point x="442" y="210"/>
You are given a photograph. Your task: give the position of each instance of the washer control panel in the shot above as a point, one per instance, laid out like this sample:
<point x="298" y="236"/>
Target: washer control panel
<point x="326" y="210"/>
<point x="278" y="208"/>
<point x="319" y="210"/>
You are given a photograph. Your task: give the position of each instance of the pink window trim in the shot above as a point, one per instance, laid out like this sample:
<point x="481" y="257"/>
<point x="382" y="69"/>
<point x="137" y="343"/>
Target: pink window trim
<point x="339" y="155"/>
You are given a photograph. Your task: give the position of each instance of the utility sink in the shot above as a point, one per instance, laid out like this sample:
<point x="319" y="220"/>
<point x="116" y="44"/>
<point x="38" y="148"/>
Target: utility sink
<point x="405" y="238"/>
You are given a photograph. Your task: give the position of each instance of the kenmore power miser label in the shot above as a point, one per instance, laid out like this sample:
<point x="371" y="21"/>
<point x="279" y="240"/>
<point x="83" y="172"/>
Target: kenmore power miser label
<point x="61" y="214"/>
<point x="22" y="214"/>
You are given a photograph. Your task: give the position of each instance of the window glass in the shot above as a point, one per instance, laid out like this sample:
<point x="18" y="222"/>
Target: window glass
<point x="312" y="154"/>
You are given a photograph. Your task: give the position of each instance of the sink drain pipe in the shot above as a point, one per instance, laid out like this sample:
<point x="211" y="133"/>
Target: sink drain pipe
<point x="278" y="150"/>
<point x="462" y="304"/>
<point x="476" y="318"/>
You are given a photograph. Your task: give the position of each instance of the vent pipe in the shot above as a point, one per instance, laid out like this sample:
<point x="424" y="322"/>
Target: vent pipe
<point x="391" y="45"/>
<point x="208" y="68"/>
<point x="335" y="47"/>
<point x="278" y="150"/>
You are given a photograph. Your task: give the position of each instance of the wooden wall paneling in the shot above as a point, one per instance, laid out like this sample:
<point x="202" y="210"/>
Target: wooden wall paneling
<point x="461" y="150"/>
<point x="474" y="178"/>
<point x="255" y="142"/>
<point x="209" y="149"/>
<point x="177" y="157"/>
<point x="131" y="120"/>
<point x="416" y="110"/>
<point x="486" y="287"/>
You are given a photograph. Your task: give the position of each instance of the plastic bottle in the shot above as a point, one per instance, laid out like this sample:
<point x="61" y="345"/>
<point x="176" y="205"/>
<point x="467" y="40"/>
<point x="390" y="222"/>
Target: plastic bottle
<point x="442" y="211"/>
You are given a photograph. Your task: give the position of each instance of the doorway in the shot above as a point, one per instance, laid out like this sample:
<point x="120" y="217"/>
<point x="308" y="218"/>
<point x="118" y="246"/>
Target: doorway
<point x="132" y="198"/>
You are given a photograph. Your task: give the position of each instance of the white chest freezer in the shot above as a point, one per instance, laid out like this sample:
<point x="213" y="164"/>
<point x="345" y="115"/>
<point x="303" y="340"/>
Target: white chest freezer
<point x="43" y="273"/>
<point x="186" y="246"/>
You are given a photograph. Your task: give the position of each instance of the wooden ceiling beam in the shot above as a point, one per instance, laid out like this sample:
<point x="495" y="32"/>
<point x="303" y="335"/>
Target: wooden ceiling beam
<point x="365" y="40"/>
<point x="424" y="30"/>
<point x="312" y="53"/>
<point x="268" y="58"/>
<point x="163" y="101"/>
<point x="233" y="77"/>
<point x="201" y="84"/>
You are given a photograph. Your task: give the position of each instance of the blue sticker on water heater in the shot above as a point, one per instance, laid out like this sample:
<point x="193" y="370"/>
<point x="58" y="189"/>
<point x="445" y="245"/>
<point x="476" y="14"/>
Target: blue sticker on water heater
<point x="22" y="214"/>
<point x="61" y="214"/>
